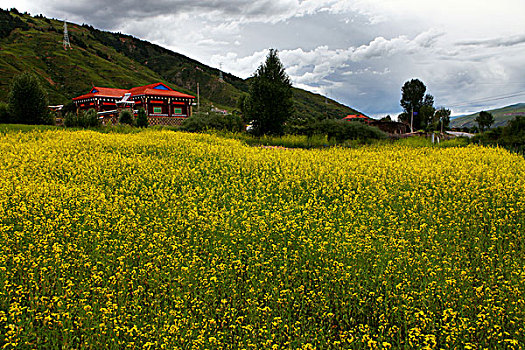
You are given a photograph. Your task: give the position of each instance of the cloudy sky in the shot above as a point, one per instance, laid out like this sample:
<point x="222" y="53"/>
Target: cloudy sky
<point x="469" y="53"/>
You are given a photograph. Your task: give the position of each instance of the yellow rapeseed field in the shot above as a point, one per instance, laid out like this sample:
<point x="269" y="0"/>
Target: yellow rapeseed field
<point x="164" y="240"/>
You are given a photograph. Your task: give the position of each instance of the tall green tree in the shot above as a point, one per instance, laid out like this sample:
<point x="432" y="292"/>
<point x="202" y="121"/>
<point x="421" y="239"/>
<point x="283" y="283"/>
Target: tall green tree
<point x="269" y="104"/>
<point x="442" y="118"/>
<point x="28" y="103"/>
<point x="426" y="113"/>
<point x="413" y="99"/>
<point x="484" y="120"/>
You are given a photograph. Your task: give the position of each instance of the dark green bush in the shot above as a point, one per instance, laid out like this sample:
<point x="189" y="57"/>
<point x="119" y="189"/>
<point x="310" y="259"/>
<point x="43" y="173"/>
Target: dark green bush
<point x="511" y="136"/>
<point x="142" y="118"/>
<point x="4" y="113"/>
<point x="126" y="117"/>
<point x="28" y="103"/>
<point x="514" y="132"/>
<point x="206" y="121"/>
<point x="69" y="107"/>
<point x="342" y="130"/>
<point x="82" y="119"/>
<point x="91" y="119"/>
<point x="490" y="137"/>
<point x="70" y="119"/>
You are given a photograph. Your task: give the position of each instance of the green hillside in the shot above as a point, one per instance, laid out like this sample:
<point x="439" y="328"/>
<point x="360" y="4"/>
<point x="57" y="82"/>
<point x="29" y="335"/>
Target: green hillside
<point x="501" y="116"/>
<point x="116" y="60"/>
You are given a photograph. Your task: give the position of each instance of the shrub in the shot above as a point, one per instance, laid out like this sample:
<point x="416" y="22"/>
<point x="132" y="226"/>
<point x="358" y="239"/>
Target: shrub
<point x="142" y="119"/>
<point x="90" y="119"/>
<point x="28" y="101"/>
<point x="205" y="121"/>
<point x="4" y="113"/>
<point x="342" y="130"/>
<point x="126" y="117"/>
<point x="511" y="136"/>
<point x="69" y="107"/>
<point x="513" y="133"/>
<point x="70" y="119"/>
<point x="82" y="119"/>
<point x="492" y="136"/>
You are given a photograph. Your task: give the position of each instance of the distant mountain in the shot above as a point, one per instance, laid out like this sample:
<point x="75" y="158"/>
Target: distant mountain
<point x="501" y="116"/>
<point x="101" y="58"/>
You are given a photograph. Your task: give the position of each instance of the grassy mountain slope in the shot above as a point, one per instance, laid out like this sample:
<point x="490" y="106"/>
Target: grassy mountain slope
<point x="501" y="116"/>
<point x="116" y="60"/>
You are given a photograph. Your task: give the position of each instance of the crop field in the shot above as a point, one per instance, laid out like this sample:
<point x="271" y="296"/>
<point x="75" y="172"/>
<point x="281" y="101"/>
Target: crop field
<point x="165" y="240"/>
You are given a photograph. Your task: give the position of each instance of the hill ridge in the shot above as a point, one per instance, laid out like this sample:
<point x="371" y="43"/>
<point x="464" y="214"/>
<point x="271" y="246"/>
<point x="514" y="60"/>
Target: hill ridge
<point x="502" y="116"/>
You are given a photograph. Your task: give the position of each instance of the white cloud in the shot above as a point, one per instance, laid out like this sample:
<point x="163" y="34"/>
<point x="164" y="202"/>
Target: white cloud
<point x="308" y="66"/>
<point x="359" y="51"/>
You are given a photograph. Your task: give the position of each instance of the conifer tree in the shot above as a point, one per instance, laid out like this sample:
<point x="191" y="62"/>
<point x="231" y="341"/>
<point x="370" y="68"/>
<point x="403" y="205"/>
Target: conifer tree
<point x="270" y="103"/>
<point x="28" y="103"/>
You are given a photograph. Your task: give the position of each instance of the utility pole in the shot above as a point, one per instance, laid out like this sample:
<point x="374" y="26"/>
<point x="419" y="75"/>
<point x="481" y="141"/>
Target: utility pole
<point x="412" y="119"/>
<point x="198" y="99"/>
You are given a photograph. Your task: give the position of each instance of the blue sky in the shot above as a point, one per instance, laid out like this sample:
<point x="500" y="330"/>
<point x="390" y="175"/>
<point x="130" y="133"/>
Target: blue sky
<point x="469" y="53"/>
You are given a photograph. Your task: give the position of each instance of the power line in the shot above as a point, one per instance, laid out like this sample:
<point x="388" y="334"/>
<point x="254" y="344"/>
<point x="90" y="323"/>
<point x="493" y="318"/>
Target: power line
<point x="488" y="99"/>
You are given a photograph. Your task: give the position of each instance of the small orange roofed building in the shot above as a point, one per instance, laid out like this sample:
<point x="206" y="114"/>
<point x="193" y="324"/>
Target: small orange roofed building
<point x="359" y="117"/>
<point x="163" y="105"/>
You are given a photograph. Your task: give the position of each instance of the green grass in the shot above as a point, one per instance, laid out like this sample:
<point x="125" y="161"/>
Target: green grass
<point x="286" y="141"/>
<point x="9" y="128"/>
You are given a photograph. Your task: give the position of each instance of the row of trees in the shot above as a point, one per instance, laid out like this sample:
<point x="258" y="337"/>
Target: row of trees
<point x="269" y="104"/>
<point x="419" y="111"/>
<point x="267" y="107"/>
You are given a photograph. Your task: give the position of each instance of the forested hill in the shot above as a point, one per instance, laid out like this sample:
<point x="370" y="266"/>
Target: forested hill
<point x="101" y="58"/>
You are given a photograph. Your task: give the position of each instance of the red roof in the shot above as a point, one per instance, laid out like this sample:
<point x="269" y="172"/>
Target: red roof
<point x="157" y="89"/>
<point x="355" y="116"/>
<point x="102" y="92"/>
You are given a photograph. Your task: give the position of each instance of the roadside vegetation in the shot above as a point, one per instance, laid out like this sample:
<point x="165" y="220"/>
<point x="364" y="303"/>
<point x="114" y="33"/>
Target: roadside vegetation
<point x="511" y="136"/>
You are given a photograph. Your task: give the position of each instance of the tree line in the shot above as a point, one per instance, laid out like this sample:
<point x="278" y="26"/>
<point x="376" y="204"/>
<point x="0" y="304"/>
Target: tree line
<point x="267" y="109"/>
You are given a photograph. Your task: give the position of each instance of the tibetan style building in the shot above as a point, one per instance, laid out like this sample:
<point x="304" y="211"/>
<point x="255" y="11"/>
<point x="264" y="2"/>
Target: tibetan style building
<point x="163" y="105"/>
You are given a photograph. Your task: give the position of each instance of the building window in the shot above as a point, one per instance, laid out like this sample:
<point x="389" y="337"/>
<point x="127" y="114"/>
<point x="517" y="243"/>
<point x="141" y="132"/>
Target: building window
<point x="177" y="110"/>
<point x="157" y="110"/>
